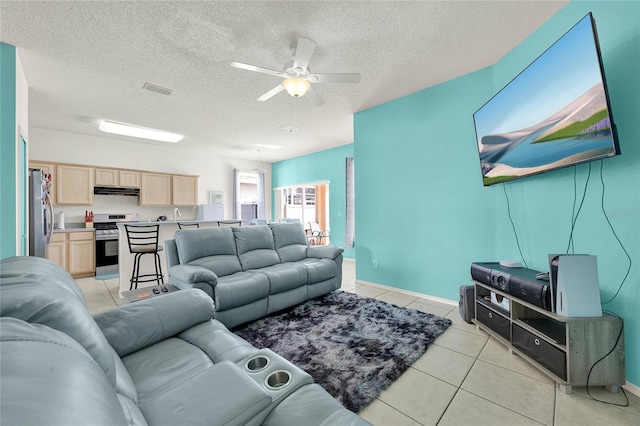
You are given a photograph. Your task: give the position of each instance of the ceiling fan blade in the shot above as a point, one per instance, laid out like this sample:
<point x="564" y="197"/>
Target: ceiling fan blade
<point x="315" y="98"/>
<point x="303" y="53"/>
<point x="248" y="67"/>
<point x="334" y="78"/>
<point x="279" y="88"/>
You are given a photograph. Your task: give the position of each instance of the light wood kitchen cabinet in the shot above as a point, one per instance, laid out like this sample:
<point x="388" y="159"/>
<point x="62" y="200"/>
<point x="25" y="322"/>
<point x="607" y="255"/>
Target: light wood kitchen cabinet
<point x="129" y="179"/>
<point x="74" y="185"/>
<point x="106" y="177"/>
<point x="74" y="251"/>
<point x="81" y="259"/>
<point x="56" y="250"/>
<point x="117" y="178"/>
<point x="155" y="189"/>
<point x="50" y="169"/>
<point x="185" y="190"/>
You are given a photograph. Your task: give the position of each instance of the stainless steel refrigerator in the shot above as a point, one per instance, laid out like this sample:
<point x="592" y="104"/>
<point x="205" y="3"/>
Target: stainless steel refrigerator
<point x="40" y="213"/>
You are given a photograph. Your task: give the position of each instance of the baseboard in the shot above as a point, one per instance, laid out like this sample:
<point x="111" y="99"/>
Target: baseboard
<point x="630" y="387"/>
<point x="348" y="259"/>
<point x="409" y="293"/>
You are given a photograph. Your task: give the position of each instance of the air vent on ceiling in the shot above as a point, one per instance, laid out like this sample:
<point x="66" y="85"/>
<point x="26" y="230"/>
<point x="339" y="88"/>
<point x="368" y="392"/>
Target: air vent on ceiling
<point x="157" y="89"/>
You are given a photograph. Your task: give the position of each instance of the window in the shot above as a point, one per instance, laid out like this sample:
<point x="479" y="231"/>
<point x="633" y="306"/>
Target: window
<point x="298" y="207"/>
<point x="248" y="195"/>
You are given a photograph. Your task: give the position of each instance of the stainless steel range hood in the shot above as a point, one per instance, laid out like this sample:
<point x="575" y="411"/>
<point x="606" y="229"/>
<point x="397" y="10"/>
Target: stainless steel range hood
<point x="107" y="190"/>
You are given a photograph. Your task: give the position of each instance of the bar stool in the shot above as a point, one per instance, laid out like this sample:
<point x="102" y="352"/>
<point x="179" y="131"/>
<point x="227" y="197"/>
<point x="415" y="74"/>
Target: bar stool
<point x="143" y="239"/>
<point x="188" y="225"/>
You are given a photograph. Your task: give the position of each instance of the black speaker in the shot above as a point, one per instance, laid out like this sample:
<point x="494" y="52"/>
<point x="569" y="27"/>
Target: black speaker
<point x="466" y="303"/>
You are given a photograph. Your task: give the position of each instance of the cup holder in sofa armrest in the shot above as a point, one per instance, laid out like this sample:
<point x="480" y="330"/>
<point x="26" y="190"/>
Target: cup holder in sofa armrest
<point x="277" y="380"/>
<point x="257" y="364"/>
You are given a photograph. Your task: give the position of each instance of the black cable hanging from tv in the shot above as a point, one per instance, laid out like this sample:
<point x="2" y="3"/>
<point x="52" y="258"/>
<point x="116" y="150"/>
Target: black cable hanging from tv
<point x="514" y="226"/>
<point x="574" y="219"/>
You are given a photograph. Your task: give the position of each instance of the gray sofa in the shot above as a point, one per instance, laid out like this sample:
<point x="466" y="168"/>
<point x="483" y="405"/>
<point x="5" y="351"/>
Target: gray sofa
<point x="159" y="361"/>
<point x="252" y="271"/>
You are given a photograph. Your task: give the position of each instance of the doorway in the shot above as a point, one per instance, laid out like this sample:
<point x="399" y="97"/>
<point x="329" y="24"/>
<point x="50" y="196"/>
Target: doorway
<point x="306" y="203"/>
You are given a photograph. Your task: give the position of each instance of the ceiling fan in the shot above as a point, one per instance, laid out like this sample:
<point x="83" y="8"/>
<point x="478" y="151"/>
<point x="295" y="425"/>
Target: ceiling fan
<point x="297" y="75"/>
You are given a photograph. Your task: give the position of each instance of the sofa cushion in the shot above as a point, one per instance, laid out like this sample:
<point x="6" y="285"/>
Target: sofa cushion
<point x="221" y="265"/>
<point x="220" y="394"/>
<point x="290" y="241"/>
<point x="158" y="367"/>
<point x="49" y="378"/>
<point x="319" y="269"/>
<point x="240" y="289"/>
<point x="284" y="276"/>
<point x="213" y="248"/>
<point x="255" y="248"/>
<point x="26" y="294"/>
<point x="312" y="406"/>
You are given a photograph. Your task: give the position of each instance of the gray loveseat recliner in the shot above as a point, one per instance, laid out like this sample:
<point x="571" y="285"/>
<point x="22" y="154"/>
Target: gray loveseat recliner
<point x="161" y="361"/>
<point x="252" y="271"/>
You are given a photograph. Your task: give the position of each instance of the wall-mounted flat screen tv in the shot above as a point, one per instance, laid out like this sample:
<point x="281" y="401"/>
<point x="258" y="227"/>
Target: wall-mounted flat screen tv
<point x="556" y="113"/>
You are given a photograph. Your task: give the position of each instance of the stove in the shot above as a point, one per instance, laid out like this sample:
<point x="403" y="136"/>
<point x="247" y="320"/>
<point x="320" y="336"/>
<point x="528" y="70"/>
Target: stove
<point x="106" y="226"/>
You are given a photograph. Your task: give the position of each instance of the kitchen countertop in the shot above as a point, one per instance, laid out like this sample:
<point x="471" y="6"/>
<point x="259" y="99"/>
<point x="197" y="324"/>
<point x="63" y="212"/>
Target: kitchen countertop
<point x="170" y="222"/>
<point x="74" y="227"/>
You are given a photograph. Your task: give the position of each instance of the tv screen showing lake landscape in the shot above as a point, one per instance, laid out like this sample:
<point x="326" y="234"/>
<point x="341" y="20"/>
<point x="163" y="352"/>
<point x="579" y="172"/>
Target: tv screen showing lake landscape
<point x="554" y="114"/>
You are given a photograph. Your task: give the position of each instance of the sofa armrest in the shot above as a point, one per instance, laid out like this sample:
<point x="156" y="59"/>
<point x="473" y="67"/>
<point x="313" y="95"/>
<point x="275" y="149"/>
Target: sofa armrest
<point x="193" y="274"/>
<point x="327" y="252"/>
<point x="132" y="327"/>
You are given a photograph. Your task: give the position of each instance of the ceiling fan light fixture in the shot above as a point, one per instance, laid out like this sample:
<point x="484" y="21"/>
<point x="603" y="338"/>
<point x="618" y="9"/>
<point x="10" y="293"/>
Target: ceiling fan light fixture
<point x="296" y="86"/>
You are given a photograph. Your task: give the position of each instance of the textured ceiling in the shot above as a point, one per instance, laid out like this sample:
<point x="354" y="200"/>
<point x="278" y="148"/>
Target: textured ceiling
<point x="88" y="60"/>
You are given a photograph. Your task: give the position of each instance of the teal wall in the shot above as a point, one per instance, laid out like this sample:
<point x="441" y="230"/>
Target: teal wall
<point x="8" y="145"/>
<point x="421" y="209"/>
<point x="544" y="227"/>
<point x="324" y="166"/>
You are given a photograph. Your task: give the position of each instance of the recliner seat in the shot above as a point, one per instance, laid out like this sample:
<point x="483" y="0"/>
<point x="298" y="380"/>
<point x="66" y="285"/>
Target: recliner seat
<point x="158" y="361"/>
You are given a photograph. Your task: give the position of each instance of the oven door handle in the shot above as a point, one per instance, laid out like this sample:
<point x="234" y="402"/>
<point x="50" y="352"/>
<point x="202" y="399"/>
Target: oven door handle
<point x="106" y="238"/>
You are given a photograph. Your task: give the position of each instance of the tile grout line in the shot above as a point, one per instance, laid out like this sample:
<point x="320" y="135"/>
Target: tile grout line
<point x="477" y="358"/>
<point x="500" y="405"/>
<point x="463" y="379"/>
<point x="395" y="409"/>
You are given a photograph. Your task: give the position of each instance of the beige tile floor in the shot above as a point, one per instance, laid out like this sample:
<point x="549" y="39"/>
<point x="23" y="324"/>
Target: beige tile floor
<point x="464" y="378"/>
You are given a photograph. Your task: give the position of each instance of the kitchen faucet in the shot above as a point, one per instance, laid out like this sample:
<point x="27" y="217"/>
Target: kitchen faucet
<point x="176" y="213"/>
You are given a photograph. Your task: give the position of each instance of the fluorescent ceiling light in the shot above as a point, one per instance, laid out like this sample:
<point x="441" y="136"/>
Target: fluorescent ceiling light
<point x="139" y="132"/>
<point x="261" y="145"/>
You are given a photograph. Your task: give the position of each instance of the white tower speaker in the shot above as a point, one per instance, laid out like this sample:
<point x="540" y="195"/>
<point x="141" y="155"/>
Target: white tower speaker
<point x="574" y="281"/>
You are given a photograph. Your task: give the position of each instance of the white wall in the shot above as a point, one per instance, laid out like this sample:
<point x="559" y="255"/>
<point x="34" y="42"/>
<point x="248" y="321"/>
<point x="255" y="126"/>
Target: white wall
<point x="216" y="173"/>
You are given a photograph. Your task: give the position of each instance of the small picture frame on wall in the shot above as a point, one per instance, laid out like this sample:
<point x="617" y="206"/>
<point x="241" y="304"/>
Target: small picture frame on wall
<point x="215" y="197"/>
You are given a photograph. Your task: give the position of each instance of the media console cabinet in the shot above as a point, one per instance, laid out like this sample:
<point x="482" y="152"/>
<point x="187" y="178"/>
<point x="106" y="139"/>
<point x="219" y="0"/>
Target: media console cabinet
<point x="563" y="348"/>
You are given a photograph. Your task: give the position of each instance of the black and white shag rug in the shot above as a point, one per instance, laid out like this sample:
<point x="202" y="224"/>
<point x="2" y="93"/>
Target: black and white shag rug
<point x="353" y="347"/>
